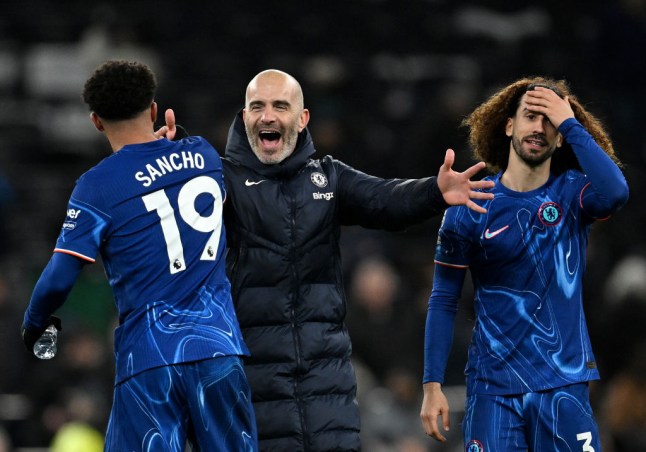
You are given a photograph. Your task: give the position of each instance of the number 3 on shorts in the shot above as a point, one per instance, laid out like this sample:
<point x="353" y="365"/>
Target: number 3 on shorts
<point x="587" y="438"/>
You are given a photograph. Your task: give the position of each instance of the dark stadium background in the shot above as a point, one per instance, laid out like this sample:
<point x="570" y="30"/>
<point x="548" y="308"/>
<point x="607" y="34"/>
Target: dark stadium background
<point x="387" y="83"/>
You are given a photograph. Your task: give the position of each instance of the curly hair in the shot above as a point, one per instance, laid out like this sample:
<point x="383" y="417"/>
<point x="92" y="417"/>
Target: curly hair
<point x="487" y="123"/>
<point x="119" y="89"/>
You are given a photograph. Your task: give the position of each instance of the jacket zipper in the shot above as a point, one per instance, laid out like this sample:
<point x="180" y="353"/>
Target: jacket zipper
<point x="295" y="297"/>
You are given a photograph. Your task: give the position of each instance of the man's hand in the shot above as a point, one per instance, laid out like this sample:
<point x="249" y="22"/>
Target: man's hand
<point x="458" y="189"/>
<point x="546" y="102"/>
<point x="30" y="336"/>
<point x="434" y="405"/>
<point x="169" y="130"/>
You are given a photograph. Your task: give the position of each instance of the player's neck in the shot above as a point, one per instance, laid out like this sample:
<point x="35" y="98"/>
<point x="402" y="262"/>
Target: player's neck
<point x="523" y="178"/>
<point x="137" y="130"/>
<point x="118" y="141"/>
<point x="134" y="131"/>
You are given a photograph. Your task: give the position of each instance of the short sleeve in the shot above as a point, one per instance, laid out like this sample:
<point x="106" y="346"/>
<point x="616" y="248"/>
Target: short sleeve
<point x="453" y="245"/>
<point x="83" y="230"/>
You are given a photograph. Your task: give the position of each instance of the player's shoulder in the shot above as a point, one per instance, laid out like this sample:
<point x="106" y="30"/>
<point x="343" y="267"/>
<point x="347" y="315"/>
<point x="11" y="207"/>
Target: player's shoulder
<point x="571" y="180"/>
<point x="192" y="140"/>
<point x="459" y="216"/>
<point x="98" y="171"/>
<point x="198" y="141"/>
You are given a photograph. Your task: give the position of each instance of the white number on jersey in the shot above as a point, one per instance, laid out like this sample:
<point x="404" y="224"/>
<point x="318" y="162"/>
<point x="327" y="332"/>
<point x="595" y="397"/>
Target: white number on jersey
<point x="159" y="202"/>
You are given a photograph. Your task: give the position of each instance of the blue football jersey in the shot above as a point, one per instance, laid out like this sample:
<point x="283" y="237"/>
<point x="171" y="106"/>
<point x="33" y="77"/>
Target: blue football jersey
<point x="153" y="212"/>
<point x="526" y="256"/>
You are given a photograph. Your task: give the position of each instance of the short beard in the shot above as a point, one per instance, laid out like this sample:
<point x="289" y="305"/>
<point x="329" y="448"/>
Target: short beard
<point x="530" y="160"/>
<point x="289" y="144"/>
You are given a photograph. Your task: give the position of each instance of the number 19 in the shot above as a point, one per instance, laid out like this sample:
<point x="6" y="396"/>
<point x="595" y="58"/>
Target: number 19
<point x="159" y="202"/>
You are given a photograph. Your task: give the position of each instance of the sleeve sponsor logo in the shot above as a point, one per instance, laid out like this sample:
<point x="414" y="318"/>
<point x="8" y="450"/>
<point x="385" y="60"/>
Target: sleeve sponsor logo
<point x="73" y="213"/>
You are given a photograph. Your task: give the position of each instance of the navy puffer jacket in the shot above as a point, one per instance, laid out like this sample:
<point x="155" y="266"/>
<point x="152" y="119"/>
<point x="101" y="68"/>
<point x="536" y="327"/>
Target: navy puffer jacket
<point x="283" y="224"/>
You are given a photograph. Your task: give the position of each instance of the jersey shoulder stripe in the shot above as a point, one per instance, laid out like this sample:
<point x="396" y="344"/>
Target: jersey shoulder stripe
<point x="74" y="253"/>
<point x="446" y="264"/>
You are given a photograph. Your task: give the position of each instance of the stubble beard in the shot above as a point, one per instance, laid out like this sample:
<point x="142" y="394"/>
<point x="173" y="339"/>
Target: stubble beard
<point x="287" y="148"/>
<point x="530" y="159"/>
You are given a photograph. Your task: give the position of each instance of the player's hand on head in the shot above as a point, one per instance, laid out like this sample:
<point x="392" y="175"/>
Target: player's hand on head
<point x="458" y="188"/>
<point x="546" y="102"/>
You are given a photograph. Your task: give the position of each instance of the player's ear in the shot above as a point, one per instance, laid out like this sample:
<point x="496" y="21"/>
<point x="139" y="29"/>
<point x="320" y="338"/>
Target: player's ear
<point x="304" y="119"/>
<point x="153" y="112"/>
<point x="96" y="121"/>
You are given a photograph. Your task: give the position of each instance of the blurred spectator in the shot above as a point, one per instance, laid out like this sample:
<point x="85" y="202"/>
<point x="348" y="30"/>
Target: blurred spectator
<point x="14" y="357"/>
<point x="7" y="197"/>
<point x="76" y="386"/>
<point x="623" y="411"/>
<point x="622" y="326"/>
<point x="111" y="35"/>
<point x="504" y="27"/>
<point x="626" y="280"/>
<point x="390" y="416"/>
<point x="385" y="325"/>
<point x="5" y="441"/>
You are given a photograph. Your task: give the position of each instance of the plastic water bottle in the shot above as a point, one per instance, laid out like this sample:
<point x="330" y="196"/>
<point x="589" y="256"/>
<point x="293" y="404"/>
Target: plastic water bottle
<point x="45" y="346"/>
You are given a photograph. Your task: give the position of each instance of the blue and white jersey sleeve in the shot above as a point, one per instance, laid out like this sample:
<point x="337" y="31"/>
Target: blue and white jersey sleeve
<point x="454" y="241"/>
<point x="83" y="230"/>
<point x="606" y="189"/>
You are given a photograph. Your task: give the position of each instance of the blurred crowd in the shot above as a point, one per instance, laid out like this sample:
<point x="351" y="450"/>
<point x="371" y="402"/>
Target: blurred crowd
<point x="387" y="84"/>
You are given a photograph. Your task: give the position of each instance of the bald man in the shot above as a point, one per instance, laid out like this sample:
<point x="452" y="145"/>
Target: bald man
<point x="283" y="217"/>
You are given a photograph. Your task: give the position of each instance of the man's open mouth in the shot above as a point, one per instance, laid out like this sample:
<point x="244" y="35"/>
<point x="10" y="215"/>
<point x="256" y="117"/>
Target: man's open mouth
<point x="269" y="137"/>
